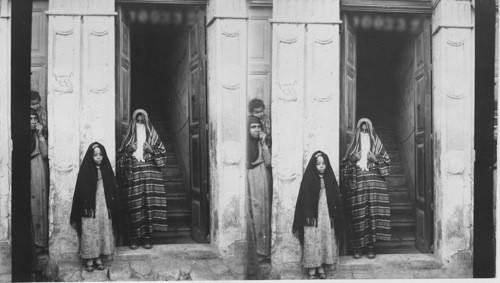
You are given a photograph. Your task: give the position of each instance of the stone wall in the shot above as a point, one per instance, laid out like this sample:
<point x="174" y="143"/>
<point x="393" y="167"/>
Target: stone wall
<point x="406" y="111"/>
<point x="81" y="104"/>
<point x="5" y="142"/>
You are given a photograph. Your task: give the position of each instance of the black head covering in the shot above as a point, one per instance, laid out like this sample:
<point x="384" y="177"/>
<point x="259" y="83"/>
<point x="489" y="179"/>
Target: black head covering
<point x="252" y="143"/>
<point x="306" y="209"/>
<point x="84" y="198"/>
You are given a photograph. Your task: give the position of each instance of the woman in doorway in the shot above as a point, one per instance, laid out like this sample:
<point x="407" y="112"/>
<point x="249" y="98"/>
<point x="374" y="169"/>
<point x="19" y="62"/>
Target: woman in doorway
<point x="39" y="183"/>
<point x="318" y="218"/>
<point x="140" y="158"/>
<point x="95" y="210"/>
<point x="363" y="171"/>
<point x="259" y="188"/>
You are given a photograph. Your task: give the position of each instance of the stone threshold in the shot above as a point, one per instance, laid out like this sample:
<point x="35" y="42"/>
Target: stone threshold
<point x="408" y="261"/>
<point x="184" y="251"/>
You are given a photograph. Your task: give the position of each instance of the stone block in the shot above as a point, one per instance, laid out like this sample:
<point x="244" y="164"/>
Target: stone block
<point x="382" y="274"/>
<point x="119" y="271"/>
<point x="69" y="272"/>
<point x="5" y="267"/>
<point x="292" y="274"/>
<point x="172" y="274"/>
<point x="218" y="267"/>
<point x="340" y="274"/>
<point x="94" y="276"/>
<point x="141" y="269"/>
<point x="201" y="271"/>
<point x="6" y="278"/>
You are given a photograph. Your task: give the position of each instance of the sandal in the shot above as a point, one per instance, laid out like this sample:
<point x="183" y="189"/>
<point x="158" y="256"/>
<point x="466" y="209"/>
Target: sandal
<point x="371" y="253"/>
<point x="89" y="268"/>
<point x="99" y="266"/>
<point x="148" y="246"/>
<point x="357" y="254"/>
<point x="134" y="246"/>
<point x="322" y="275"/>
<point x="312" y="276"/>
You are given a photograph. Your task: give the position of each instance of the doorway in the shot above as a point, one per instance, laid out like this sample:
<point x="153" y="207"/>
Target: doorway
<point x="161" y="69"/>
<point x="386" y="78"/>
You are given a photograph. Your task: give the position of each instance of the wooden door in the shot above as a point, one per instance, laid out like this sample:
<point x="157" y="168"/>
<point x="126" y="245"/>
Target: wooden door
<point x="348" y="63"/>
<point x="423" y="139"/>
<point x="122" y="101"/>
<point x="347" y="85"/>
<point x="198" y="130"/>
<point x="39" y="37"/>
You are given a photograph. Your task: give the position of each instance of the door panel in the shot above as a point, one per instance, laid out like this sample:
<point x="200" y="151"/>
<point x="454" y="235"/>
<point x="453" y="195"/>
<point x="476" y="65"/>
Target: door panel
<point x="122" y="101"/>
<point x="39" y="36"/>
<point x="348" y="64"/>
<point x="198" y="130"/>
<point x="347" y="85"/>
<point x="423" y="142"/>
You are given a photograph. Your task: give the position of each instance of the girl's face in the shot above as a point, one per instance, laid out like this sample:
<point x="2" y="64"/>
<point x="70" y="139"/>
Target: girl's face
<point x="255" y="130"/>
<point x="97" y="155"/>
<point x="320" y="164"/>
<point x="33" y="122"/>
<point x="258" y="112"/>
<point x="35" y="104"/>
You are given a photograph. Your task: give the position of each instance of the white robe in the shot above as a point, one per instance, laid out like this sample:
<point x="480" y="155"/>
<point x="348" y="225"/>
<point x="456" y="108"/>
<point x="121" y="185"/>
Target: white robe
<point x="365" y="148"/>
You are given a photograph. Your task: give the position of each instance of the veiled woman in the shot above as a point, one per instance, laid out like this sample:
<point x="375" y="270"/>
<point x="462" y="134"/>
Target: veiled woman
<point x="140" y="158"/>
<point x="363" y="171"/>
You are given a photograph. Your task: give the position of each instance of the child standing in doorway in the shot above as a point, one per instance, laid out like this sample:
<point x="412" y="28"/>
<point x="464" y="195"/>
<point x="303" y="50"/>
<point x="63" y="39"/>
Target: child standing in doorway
<point x="95" y="209"/>
<point x="256" y="108"/>
<point x="318" y="216"/>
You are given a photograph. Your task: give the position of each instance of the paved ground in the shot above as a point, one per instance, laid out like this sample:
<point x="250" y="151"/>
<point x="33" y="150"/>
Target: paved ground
<point x="199" y="262"/>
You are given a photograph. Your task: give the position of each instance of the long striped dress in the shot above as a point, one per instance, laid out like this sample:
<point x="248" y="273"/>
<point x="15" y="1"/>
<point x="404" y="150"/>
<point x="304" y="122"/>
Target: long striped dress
<point x="369" y="208"/>
<point x="145" y="198"/>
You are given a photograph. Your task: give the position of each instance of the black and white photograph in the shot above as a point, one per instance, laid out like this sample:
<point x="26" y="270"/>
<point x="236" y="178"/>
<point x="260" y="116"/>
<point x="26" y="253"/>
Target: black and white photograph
<point x="225" y="140"/>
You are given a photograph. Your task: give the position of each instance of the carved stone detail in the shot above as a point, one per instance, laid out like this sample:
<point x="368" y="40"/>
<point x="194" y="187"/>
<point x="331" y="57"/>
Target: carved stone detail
<point x="231" y="152"/>
<point x="455" y="160"/>
<point x="289" y="61"/>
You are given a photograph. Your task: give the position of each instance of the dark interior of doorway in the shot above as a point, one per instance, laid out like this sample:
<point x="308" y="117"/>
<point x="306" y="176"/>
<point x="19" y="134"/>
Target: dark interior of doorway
<point x="156" y="77"/>
<point x="385" y="96"/>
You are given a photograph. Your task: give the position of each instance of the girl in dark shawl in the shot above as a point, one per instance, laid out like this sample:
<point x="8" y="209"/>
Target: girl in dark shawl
<point x="318" y="216"/>
<point x="259" y="188"/>
<point x="140" y="159"/>
<point x="95" y="209"/>
<point x="363" y="171"/>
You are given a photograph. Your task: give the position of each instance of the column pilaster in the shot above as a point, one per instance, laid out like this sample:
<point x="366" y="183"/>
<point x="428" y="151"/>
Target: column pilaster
<point x="80" y="104"/>
<point x="453" y="122"/>
<point x="305" y="107"/>
<point x="227" y="87"/>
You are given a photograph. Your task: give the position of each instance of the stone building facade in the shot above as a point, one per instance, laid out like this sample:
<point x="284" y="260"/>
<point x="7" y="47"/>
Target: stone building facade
<point x="297" y="71"/>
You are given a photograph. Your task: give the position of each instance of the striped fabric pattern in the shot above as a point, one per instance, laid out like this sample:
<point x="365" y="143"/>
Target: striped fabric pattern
<point x="146" y="200"/>
<point x="369" y="209"/>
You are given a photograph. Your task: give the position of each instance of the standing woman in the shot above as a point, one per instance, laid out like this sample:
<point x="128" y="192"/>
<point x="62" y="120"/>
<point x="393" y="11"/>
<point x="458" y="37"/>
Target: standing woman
<point x="39" y="183"/>
<point x="319" y="216"/>
<point x="95" y="210"/>
<point x="140" y="158"/>
<point x="363" y="171"/>
<point x="259" y="187"/>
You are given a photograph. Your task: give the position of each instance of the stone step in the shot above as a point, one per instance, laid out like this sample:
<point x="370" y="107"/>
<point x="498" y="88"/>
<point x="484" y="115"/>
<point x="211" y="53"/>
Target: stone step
<point x="398" y="189"/>
<point x="171" y="171"/>
<point x="394" y="156"/>
<point x="392" y="247"/>
<point x="402" y="221"/>
<point x="172" y="186"/>
<point x="169" y="145"/>
<point x="395" y="180"/>
<point x="178" y="211"/>
<point x="397" y="168"/>
<point x="171" y="159"/>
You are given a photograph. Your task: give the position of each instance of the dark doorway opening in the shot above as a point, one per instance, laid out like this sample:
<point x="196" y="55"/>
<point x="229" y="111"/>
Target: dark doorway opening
<point x="166" y="73"/>
<point x="385" y="77"/>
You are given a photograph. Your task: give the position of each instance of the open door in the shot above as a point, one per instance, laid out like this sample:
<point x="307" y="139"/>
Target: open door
<point x="423" y="139"/>
<point x="347" y="85"/>
<point x="122" y="101"/>
<point x="348" y="63"/>
<point x="198" y="130"/>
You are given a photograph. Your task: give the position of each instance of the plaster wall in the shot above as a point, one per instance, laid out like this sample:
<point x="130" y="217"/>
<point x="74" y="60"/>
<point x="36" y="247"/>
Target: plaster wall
<point x="178" y="103"/>
<point x="406" y="111"/>
<point x="453" y="127"/>
<point x="5" y="139"/>
<point x="305" y="103"/>
<point x="81" y="103"/>
<point x="227" y="43"/>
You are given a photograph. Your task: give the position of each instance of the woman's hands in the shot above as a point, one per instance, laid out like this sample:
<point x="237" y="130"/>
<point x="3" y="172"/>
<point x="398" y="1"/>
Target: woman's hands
<point x="148" y="148"/>
<point x="262" y="137"/>
<point x="132" y="147"/>
<point x="371" y="157"/>
<point x="356" y="157"/>
<point x="38" y="129"/>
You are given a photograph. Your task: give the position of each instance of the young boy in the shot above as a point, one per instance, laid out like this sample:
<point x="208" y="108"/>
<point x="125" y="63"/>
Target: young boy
<point x="256" y="108"/>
